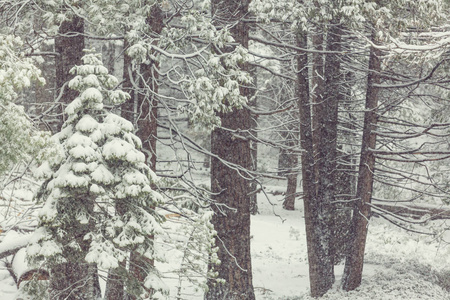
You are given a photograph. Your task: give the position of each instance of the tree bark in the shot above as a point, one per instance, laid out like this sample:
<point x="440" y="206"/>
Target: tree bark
<point x="231" y="191"/>
<point x="69" y="43"/>
<point x="253" y="145"/>
<point x="232" y="210"/>
<point x="327" y="138"/>
<point x="320" y="266"/>
<point x="291" y="190"/>
<point x="361" y="212"/>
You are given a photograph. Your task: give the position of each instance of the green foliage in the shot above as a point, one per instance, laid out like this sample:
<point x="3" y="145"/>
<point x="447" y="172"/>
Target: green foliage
<point x="20" y="140"/>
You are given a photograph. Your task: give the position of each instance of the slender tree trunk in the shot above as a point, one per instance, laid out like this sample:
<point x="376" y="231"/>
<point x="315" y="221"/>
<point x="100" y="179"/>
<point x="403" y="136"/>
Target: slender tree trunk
<point x="292" y="169"/>
<point x="128" y="108"/>
<point x="231" y="191"/>
<point x="361" y="213"/>
<point x="69" y="44"/>
<point x="253" y="145"/>
<point x="292" y="178"/>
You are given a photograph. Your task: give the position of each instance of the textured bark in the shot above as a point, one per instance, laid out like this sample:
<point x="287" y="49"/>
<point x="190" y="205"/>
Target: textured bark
<point x="292" y="171"/>
<point x="361" y="213"/>
<point x="318" y="135"/>
<point x="232" y="210"/>
<point x="291" y="190"/>
<point x="69" y="43"/>
<point x="230" y="189"/>
<point x="319" y="265"/>
<point x="317" y="92"/>
<point x="254" y="147"/>
<point x="327" y="147"/>
<point x="345" y="173"/>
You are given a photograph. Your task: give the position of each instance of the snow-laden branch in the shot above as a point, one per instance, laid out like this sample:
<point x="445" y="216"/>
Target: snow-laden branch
<point x="10" y="247"/>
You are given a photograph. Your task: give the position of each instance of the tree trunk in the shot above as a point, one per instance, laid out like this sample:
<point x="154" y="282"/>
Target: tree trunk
<point x="327" y="138"/>
<point x="231" y="191"/>
<point x="70" y="280"/>
<point x="317" y="92"/>
<point x="291" y="190"/>
<point x="232" y="210"/>
<point x="253" y="145"/>
<point x="361" y="213"/>
<point x="320" y="267"/>
<point x="69" y="43"/>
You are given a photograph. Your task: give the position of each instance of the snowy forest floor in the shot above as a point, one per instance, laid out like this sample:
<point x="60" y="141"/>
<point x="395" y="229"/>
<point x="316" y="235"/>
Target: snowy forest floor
<point x="399" y="264"/>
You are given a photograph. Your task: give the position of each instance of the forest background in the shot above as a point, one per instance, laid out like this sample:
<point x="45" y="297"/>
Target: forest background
<point x="351" y="96"/>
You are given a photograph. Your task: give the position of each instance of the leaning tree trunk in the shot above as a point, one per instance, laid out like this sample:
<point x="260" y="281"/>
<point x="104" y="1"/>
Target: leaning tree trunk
<point x="231" y="190"/>
<point x="361" y="213"/>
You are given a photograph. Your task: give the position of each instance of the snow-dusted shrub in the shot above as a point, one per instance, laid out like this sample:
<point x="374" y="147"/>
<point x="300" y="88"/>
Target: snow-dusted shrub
<point x="391" y="285"/>
<point x="98" y="201"/>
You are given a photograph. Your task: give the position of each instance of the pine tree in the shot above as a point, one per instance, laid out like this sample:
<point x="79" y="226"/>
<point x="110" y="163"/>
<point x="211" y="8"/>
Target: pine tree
<point x="98" y="202"/>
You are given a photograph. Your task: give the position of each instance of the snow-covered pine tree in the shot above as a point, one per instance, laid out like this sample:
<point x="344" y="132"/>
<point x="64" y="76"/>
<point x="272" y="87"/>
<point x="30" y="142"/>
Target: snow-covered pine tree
<point x="98" y="200"/>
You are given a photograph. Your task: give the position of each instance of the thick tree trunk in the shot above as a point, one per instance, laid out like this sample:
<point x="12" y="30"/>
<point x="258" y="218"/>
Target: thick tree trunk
<point x="232" y="210"/>
<point x="361" y="213"/>
<point x="231" y="191"/>
<point x="345" y="176"/>
<point x="327" y="137"/>
<point x="69" y="43"/>
<point x="320" y="267"/>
